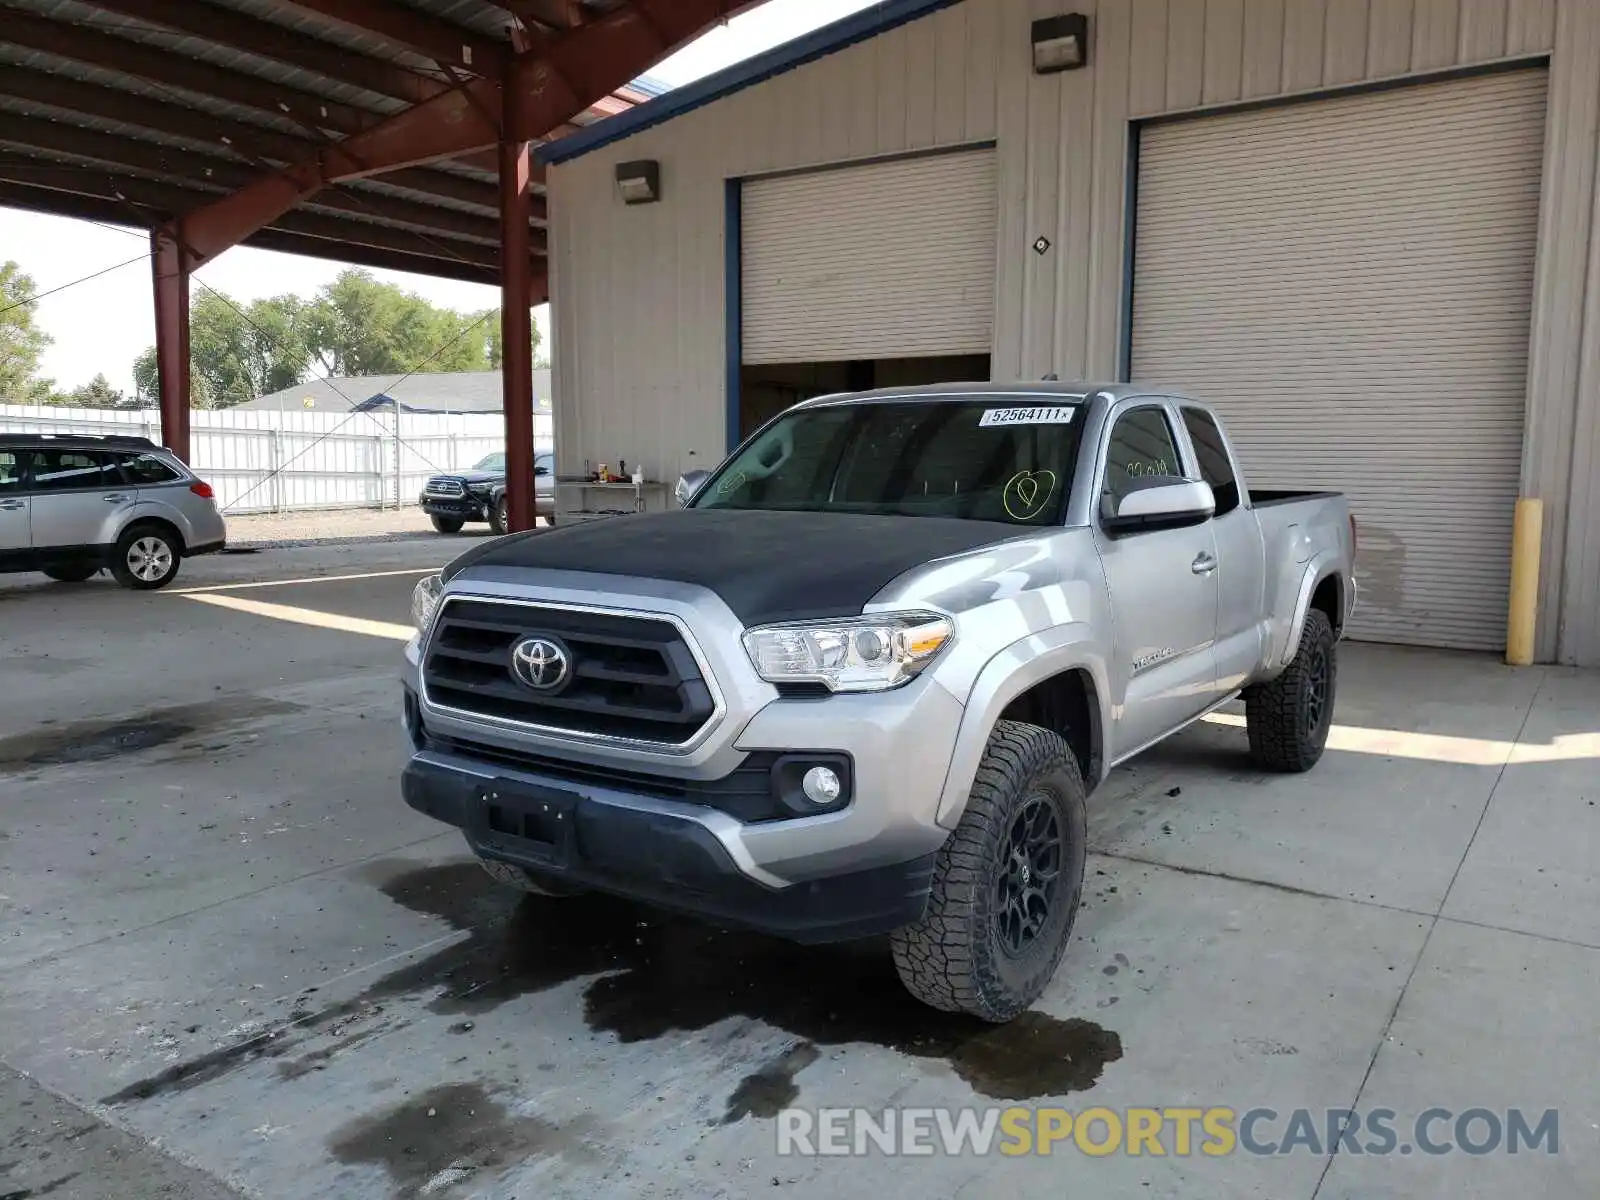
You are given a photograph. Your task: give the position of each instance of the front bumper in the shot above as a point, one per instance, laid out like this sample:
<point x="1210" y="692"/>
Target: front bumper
<point x="465" y="508"/>
<point x="639" y="848"/>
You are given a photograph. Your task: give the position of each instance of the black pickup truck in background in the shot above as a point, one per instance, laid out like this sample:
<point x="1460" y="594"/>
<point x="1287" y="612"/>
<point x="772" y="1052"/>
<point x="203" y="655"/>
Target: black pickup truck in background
<point x="479" y="493"/>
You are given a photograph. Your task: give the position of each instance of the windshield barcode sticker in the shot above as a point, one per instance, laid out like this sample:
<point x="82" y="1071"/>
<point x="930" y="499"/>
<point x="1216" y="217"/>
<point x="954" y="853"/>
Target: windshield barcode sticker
<point x="1035" y="415"/>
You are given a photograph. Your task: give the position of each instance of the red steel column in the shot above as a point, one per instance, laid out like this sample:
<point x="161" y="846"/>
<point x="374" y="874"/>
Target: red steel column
<point x="170" y="268"/>
<point x="516" y="311"/>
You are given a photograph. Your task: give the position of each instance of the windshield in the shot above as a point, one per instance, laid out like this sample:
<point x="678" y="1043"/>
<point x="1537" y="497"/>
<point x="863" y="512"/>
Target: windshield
<point x="998" y="459"/>
<point x="490" y="462"/>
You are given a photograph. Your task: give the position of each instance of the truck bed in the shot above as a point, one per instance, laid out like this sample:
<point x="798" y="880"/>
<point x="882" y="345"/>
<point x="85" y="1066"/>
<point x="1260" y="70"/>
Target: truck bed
<point x="1266" y="497"/>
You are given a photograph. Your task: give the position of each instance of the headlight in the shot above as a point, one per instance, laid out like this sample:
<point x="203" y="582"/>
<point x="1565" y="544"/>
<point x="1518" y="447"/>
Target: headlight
<point x="425" y="601"/>
<point x="860" y="654"/>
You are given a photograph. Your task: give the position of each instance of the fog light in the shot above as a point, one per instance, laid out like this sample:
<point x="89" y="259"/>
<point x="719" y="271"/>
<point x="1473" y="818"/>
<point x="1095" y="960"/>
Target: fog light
<point x="821" y="785"/>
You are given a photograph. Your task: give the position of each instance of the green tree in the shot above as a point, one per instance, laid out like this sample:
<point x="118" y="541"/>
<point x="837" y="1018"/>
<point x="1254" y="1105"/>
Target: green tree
<point x="236" y="352"/>
<point x="22" y="342"/>
<point x="495" y="340"/>
<point x="97" y="393"/>
<point x="359" y="326"/>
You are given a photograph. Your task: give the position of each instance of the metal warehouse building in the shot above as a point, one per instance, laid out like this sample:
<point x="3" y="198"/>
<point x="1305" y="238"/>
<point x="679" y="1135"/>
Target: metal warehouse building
<point x="1364" y="229"/>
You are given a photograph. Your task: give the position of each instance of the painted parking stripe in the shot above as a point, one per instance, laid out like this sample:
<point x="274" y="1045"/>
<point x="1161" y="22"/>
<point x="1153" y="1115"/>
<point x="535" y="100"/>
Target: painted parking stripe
<point x="270" y="583"/>
<point x="1439" y="747"/>
<point x="308" y="616"/>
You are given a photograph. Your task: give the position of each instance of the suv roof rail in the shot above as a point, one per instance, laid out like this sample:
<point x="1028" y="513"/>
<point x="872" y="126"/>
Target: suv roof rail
<point x="105" y="439"/>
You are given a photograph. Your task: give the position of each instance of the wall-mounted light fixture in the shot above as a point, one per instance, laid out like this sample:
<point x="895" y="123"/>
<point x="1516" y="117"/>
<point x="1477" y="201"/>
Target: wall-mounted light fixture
<point x="639" y="182"/>
<point x="1060" y="43"/>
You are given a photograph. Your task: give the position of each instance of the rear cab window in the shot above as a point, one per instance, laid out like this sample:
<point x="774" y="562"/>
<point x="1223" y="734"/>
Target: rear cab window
<point x="1216" y="468"/>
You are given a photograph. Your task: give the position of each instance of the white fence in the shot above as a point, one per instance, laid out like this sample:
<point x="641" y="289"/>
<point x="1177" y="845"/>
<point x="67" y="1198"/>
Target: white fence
<point x="259" y="460"/>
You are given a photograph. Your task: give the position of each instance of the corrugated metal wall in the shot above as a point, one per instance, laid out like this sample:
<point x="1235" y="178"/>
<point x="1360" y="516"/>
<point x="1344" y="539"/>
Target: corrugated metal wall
<point x="639" y="310"/>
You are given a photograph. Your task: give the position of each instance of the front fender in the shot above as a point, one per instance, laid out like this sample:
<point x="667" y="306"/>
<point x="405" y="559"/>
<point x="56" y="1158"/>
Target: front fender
<point x="1021" y="665"/>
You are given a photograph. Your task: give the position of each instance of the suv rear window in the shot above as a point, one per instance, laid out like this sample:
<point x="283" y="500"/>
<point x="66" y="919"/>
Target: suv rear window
<point x="148" y="470"/>
<point x="1001" y="458"/>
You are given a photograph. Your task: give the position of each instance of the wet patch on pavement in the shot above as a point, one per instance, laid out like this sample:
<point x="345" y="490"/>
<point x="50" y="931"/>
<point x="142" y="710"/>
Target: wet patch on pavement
<point x="661" y="974"/>
<point x="652" y="975"/>
<point x="432" y="1142"/>
<point x="771" y="1088"/>
<point x="103" y="740"/>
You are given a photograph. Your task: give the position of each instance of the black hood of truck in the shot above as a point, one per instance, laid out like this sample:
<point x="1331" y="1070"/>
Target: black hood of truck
<point x="766" y="566"/>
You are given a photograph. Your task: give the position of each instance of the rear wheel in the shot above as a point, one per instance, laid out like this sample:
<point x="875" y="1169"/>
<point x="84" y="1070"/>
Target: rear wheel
<point x="146" y="557"/>
<point x="1289" y="718"/>
<point x="499" y="517"/>
<point x="72" y="572"/>
<point x="447" y="524"/>
<point x="1006" y="885"/>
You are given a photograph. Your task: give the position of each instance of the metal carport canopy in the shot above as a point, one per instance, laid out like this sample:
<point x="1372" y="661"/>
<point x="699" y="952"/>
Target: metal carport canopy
<point x="388" y="133"/>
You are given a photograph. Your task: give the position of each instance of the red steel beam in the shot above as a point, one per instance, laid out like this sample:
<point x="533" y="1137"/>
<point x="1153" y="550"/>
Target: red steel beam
<point x="267" y="39"/>
<point x="442" y="41"/>
<point x="170" y="274"/>
<point x="562" y="78"/>
<point x="184" y="166"/>
<point x="110" y="211"/>
<point x="516" y="304"/>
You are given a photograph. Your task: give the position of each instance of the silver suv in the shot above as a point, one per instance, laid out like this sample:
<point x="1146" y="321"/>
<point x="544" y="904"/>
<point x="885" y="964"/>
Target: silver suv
<point x="75" y="504"/>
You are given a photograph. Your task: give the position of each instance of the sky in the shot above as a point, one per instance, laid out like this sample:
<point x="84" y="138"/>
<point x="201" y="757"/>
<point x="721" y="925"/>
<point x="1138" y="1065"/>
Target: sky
<point x="101" y="325"/>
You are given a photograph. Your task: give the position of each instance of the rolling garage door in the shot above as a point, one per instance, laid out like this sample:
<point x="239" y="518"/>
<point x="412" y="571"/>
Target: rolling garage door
<point x="887" y="260"/>
<point x="1349" y="282"/>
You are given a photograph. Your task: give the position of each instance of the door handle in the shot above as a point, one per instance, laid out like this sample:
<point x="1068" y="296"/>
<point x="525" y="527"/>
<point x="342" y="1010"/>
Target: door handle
<point x="115" y="498"/>
<point x="13" y="505"/>
<point x="1204" y="565"/>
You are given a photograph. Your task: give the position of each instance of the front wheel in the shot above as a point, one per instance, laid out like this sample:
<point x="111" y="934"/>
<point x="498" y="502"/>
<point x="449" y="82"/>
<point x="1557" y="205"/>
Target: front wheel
<point x="1006" y="884"/>
<point x="1289" y="719"/>
<point x="499" y="517"/>
<point x="146" y="557"/>
<point x="447" y="524"/>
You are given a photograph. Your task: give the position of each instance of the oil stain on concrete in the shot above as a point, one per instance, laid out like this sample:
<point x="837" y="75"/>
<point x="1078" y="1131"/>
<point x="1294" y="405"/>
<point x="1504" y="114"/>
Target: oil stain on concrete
<point x="436" y="1141"/>
<point x="659" y="974"/>
<point x="104" y="740"/>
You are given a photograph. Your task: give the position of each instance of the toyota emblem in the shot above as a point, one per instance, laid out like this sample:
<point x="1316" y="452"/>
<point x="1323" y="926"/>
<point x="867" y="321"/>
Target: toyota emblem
<point x="540" y="664"/>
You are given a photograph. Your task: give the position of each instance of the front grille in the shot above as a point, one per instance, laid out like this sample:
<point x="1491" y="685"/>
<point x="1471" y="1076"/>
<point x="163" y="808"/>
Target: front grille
<point x="745" y="793"/>
<point x="631" y="677"/>
<point x="446" y="488"/>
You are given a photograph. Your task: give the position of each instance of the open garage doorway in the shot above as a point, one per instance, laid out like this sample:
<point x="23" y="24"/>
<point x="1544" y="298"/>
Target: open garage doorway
<point x="767" y="390"/>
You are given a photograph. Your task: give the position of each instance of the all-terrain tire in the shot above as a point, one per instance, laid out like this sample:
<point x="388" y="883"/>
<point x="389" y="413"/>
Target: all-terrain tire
<point x="957" y="957"/>
<point x="1289" y="718"/>
<point x="147" y="556"/>
<point x="72" y="572"/>
<point x="447" y="524"/>
<point x="499" y="516"/>
<point x="517" y="877"/>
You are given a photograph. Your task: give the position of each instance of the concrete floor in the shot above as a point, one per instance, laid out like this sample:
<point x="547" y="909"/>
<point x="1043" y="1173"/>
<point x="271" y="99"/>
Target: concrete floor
<point x="232" y="962"/>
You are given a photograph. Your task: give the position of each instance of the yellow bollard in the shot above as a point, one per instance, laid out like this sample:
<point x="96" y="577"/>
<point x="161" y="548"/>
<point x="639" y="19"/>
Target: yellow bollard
<point x="1526" y="539"/>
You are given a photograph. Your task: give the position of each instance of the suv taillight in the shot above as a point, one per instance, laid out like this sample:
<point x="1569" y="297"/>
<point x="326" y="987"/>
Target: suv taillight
<point x="202" y="489"/>
<point x="1355" y="536"/>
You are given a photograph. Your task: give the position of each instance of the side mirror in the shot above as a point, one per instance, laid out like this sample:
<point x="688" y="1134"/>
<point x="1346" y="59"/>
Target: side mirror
<point x="1162" y="503"/>
<point x="541" y="470"/>
<point x="689" y="483"/>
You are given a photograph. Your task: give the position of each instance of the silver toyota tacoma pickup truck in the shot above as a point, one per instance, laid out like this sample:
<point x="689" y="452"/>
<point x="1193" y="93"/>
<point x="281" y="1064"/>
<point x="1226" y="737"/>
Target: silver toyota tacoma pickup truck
<point x="864" y="681"/>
